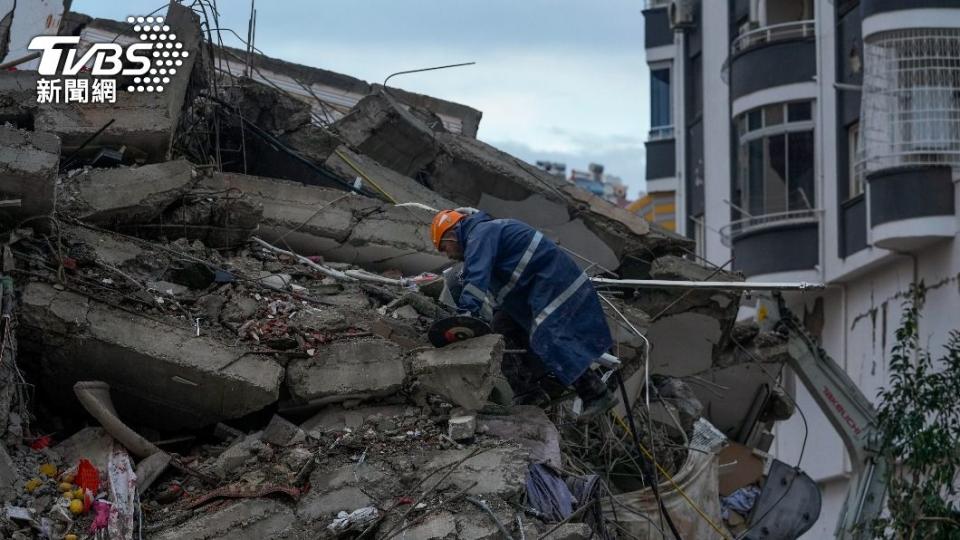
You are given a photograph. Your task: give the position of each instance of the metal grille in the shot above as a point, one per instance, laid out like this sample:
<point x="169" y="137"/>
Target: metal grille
<point x="911" y="99"/>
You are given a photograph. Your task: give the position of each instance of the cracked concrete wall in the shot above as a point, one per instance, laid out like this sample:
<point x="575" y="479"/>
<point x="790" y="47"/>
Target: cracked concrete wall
<point x="161" y="374"/>
<point x="28" y="171"/>
<point x="338" y="225"/>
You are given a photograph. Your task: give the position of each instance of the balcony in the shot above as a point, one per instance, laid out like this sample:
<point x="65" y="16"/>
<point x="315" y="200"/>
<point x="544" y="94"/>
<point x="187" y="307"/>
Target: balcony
<point x="660" y="133"/>
<point x="773" y="33"/>
<point x="653" y="4"/>
<point x="758" y="57"/>
<point x="775" y="243"/>
<point x="910" y="135"/>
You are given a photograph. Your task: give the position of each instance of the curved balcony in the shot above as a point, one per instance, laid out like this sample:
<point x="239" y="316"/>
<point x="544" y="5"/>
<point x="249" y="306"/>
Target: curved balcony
<point x="911" y="207"/>
<point x="758" y="57"/>
<point x="774" y="243"/>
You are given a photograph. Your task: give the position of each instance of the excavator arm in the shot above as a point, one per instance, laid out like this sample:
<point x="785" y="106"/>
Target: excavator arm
<point x="847" y="410"/>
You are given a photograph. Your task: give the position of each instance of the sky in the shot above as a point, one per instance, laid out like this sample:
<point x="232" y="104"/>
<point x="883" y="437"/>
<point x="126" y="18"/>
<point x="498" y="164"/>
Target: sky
<point x="562" y="80"/>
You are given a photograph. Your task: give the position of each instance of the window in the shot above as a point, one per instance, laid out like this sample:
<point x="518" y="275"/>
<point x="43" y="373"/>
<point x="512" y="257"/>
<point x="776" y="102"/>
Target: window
<point x="660" y="99"/>
<point x="776" y="159"/>
<point x="853" y="156"/>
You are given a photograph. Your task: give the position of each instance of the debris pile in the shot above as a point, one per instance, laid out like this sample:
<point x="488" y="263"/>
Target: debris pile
<point x="202" y="346"/>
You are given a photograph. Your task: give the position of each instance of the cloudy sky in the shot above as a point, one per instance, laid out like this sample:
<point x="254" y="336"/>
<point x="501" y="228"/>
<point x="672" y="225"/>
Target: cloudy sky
<point x="563" y="80"/>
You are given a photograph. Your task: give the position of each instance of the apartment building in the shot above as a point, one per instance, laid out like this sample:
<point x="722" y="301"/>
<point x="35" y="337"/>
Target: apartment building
<point x="819" y="141"/>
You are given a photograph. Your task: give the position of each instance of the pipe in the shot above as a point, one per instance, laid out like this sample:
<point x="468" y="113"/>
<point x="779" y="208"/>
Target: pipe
<point x="95" y="398"/>
<point x="732" y="285"/>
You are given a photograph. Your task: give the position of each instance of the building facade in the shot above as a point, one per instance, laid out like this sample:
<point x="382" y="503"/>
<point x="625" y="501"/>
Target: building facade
<point x="819" y="141"/>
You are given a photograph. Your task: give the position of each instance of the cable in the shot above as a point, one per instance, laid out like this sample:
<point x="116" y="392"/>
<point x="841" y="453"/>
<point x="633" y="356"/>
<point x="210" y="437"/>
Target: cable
<point x="646" y="463"/>
<point x="356" y="168"/>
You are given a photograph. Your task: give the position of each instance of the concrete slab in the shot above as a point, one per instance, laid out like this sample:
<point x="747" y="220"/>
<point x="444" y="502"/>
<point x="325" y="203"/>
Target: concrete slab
<point x="339" y="490"/>
<point x="250" y="518"/>
<point x="497" y="471"/>
<point x="161" y="374"/>
<point x="683" y="344"/>
<point x="529" y="427"/>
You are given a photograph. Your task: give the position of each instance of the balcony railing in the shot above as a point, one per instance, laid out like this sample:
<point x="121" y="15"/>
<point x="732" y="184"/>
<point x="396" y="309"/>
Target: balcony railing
<point x="743" y="226"/>
<point x="660" y="133"/>
<point x="772" y="33"/>
<point x="657" y="3"/>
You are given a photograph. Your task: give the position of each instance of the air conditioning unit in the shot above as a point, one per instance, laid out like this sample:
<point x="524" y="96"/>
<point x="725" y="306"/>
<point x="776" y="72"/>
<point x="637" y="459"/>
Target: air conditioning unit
<point x="682" y="13"/>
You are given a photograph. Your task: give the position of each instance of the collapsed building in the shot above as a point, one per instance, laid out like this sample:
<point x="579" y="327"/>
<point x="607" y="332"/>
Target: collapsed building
<point x="228" y="284"/>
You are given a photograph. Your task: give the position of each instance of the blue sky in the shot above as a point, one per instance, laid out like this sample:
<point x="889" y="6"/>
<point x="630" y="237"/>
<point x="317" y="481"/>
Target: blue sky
<point x="563" y="80"/>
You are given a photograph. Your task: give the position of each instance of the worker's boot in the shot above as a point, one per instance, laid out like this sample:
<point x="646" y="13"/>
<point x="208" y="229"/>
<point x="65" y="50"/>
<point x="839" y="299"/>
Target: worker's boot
<point x="597" y="398"/>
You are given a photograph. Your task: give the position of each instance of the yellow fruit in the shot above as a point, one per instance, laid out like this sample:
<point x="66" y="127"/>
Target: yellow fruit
<point x="78" y="493"/>
<point x="76" y="507"/>
<point x="70" y="537"/>
<point x="48" y="469"/>
<point x="68" y="478"/>
<point x="65" y="487"/>
<point x="33" y="484"/>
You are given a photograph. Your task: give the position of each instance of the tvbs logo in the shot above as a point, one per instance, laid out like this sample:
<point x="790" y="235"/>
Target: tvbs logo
<point x="151" y="61"/>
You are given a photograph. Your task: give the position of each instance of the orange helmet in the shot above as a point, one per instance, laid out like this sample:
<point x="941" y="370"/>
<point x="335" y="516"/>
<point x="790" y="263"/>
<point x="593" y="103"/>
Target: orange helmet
<point x="443" y="222"/>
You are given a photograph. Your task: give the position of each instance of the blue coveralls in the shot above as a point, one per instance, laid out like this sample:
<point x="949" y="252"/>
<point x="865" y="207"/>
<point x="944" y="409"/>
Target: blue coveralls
<point x="510" y="266"/>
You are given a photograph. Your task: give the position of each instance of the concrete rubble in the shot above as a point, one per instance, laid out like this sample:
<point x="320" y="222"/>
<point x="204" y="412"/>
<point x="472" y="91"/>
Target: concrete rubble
<point x="261" y="320"/>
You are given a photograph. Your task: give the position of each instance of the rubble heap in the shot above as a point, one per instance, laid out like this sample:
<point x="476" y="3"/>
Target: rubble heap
<point x="196" y="347"/>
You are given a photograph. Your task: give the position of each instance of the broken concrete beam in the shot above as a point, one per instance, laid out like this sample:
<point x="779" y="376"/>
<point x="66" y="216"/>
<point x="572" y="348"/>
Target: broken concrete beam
<point x="340" y="226"/>
<point x="28" y="171"/>
<point x="350" y="165"/>
<point x="380" y="127"/>
<point x="462" y="372"/>
<point x="126" y="195"/>
<point x="347" y="369"/>
<point x="340" y="490"/>
<point x="161" y="374"/>
<point x="250" y="518"/>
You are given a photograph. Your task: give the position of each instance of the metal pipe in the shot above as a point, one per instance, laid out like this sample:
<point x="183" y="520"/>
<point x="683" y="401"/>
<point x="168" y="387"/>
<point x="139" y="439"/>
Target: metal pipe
<point x="21" y="60"/>
<point x="731" y="285"/>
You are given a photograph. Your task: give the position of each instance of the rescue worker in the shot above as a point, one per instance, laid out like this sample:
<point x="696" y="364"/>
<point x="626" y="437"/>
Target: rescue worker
<point x="513" y="269"/>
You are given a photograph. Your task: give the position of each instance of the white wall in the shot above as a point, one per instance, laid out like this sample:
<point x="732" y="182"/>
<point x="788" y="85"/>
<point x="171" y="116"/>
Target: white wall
<point x="716" y="128"/>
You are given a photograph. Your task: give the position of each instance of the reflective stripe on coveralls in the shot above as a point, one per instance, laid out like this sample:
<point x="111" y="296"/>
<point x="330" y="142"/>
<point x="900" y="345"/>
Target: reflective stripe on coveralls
<point x="521" y="266"/>
<point x="557" y="302"/>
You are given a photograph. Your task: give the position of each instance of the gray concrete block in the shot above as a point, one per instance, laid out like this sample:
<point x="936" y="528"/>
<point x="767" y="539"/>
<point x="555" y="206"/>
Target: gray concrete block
<point x="383" y="129"/>
<point x="344" y="368"/>
<point x="463" y="372"/>
<point x="498" y="471"/>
